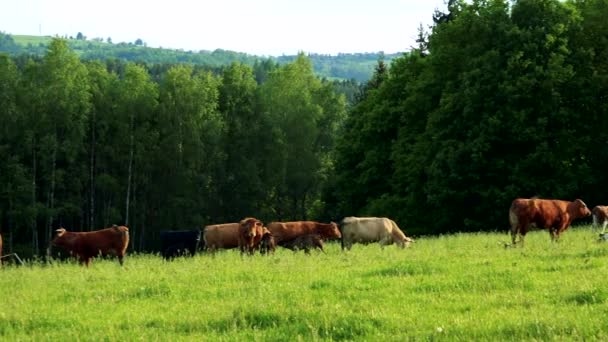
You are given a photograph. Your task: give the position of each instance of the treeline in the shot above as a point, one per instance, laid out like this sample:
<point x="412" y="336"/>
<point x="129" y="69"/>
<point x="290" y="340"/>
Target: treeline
<point x="503" y="99"/>
<point x="85" y="145"/>
<point x="356" y="66"/>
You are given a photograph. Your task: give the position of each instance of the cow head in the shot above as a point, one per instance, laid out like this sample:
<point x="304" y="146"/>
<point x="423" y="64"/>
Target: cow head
<point x="330" y="231"/>
<point x="580" y="208"/>
<point x="251" y="227"/>
<point x="60" y="231"/>
<point x="62" y="238"/>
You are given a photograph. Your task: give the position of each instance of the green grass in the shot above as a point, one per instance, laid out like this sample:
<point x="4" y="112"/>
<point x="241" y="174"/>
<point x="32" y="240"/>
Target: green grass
<point x="458" y="287"/>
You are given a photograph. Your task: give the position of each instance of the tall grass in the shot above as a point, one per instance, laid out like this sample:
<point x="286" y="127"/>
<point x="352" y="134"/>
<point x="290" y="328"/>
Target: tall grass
<point x="456" y="287"/>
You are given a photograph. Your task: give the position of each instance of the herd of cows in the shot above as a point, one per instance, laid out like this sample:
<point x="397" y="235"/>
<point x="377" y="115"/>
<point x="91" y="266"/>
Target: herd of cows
<point x="251" y="235"/>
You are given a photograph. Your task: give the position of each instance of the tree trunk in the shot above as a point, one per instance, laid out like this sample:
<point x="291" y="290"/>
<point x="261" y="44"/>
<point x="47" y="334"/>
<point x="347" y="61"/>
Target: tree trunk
<point x="92" y="176"/>
<point x="131" y="153"/>
<point x="51" y="200"/>
<point x="33" y="219"/>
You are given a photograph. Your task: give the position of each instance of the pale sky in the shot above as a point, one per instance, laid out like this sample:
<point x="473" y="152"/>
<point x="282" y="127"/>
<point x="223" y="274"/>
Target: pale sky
<point x="259" y="27"/>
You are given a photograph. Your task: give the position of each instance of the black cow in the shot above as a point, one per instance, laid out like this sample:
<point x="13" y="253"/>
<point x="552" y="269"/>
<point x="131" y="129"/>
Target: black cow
<point x="174" y="243"/>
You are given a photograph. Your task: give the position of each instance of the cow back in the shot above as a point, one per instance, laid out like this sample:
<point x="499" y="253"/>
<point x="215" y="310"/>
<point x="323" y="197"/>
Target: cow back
<point x="286" y="231"/>
<point x="173" y="242"/>
<point x="365" y="229"/>
<point x="221" y="236"/>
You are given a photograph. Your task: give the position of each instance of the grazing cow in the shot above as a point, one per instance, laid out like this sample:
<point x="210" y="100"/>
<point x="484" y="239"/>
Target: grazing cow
<point x="267" y="244"/>
<point x="600" y="217"/>
<point x="555" y="215"/>
<point x="287" y="231"/>
<point x="372" y="229"/>
<point x="250" y="234"/>
<point x="174" y="243"/>
<point x="87" y="245"/>
<point x="305" y="242"/>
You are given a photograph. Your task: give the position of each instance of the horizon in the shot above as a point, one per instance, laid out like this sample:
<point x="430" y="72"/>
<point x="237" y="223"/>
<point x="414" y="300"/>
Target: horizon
<point x="262" y="28"/>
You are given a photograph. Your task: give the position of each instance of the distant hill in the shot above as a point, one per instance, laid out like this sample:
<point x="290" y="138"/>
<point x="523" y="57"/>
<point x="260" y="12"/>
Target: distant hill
<point x="358" y="66"/>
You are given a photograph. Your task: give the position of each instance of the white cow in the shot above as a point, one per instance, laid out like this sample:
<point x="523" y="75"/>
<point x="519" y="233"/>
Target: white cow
<point x="600" y="217"/>
<point x="372" y="229"/>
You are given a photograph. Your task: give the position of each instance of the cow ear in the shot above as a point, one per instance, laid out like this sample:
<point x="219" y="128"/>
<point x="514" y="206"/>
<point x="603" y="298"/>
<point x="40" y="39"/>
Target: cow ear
<point x="60" y="231"/>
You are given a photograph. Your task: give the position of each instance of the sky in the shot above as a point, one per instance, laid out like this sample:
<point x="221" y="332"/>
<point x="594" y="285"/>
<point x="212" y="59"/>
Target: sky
<point x="258" y="27"/>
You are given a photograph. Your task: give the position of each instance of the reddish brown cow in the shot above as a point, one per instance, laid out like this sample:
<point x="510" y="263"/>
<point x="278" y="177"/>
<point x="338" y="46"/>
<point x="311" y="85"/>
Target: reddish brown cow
<point x="87" y="245"/>
<point x="287" y="231"/>
<point x="600" y="216"/>
<point x="555" y="215"/>
<point x="250" y="234"/>
<point x="267" y="244"/>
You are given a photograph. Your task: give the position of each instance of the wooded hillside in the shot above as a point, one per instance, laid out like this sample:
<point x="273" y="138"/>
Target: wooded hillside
<point x="358" y="66"/>
<point x="501" y="99"/>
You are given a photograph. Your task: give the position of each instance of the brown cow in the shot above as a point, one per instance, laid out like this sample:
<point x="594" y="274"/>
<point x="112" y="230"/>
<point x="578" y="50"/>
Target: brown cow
<point x="267" y="244"/>
<point x="305" y="242"/>
<point x="87" y="245"/>
<point x="250" y="234"/>
<point x="555" y="215"/>
<point x="287" y="231"/>
<point x="221" y="236"/>
<point x="600" y="216"/>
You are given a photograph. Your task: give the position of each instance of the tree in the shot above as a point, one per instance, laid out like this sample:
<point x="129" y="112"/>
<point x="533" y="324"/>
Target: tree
<point x="297" y="105"/>
<point x="137" y="143"/>
<point x="190" y="128"/>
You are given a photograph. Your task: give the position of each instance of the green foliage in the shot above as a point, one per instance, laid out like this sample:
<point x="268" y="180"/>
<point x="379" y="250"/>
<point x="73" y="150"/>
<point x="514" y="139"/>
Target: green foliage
<point x="344" y="66"/>
<point x="456" y="287"/>
<point x="505" y="104"/>
<point x="88" y="145"/>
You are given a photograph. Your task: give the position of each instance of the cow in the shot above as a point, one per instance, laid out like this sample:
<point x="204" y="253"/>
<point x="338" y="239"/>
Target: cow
<point x="372" y="229"/>
<point x="555" y="215"/>
<point x="305" y="242"/>
<point x="250" y="234"/>
<point x="267" y="244"/>
<point x="600" y="217"/>
<point x="222" y="236"/>
<point x="287" y="231"/>
<point x="87" y="245"/>
<point x="174" y="243"/>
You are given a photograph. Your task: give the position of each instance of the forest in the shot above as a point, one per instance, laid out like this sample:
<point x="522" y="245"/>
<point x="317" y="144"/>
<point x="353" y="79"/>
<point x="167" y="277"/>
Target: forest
<point x="345" y="66"/>
<point x="499" y="99"/>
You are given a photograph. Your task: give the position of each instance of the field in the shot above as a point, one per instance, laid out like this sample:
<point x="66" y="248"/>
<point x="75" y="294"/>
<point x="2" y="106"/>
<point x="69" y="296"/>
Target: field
<point x="457" y="287"/>
<point x="34" y="40"/>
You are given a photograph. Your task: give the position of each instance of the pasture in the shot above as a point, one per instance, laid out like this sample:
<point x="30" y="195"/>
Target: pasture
<point x="455" y="287"/>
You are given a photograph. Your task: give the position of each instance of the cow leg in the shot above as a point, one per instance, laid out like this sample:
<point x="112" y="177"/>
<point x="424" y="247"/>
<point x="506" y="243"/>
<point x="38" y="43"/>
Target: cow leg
<point x="604" y="224"/>
<point x="595" y="223"/>
<point x="554" y="234"/>
<point x="514" y="230"/>
<point x="121" y="259"/>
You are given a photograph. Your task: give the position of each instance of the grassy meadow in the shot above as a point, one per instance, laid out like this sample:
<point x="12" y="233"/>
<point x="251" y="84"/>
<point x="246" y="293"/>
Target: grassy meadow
<point x="454" y="287"/>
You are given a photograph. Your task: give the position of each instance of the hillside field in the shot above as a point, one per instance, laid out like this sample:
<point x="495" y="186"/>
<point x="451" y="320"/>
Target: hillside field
<point x="454" y="287"/>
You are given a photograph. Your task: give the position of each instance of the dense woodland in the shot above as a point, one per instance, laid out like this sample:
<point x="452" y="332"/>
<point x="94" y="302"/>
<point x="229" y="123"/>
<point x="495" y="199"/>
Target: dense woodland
<point x="354" y="66"/>
<point x="500" y="99"/>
